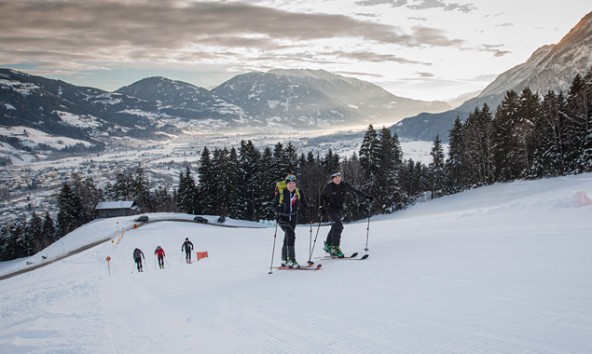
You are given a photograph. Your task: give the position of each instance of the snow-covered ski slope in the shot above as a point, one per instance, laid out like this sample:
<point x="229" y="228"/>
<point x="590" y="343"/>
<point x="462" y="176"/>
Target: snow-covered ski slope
<point x="499" y="269"/>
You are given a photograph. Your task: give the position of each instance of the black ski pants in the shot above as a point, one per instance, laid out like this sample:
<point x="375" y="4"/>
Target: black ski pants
<point x="139" y="264"/>
<point x="289" y="228"/>
<point x="334" y="235"/>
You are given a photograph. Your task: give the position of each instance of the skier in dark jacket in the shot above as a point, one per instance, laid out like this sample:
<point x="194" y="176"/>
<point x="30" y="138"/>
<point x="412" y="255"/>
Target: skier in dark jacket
<point x="332" y="198"/>
<point x="187" y="247"/>
<point x="159" y="252"/>
<point x="286" y="203"/>
<point x="138" y="255"/>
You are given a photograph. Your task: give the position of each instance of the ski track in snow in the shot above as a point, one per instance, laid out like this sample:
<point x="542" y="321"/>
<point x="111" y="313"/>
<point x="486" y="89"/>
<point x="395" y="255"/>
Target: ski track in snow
<point x="499" y="269"/>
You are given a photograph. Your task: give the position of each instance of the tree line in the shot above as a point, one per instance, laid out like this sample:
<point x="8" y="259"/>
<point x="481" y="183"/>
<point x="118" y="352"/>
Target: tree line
<point x="527" y="137"/>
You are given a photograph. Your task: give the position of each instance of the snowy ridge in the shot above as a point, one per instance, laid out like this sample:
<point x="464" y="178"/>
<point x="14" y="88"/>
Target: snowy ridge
<point x="550" y="68"/>
<point x="499" y="269"/>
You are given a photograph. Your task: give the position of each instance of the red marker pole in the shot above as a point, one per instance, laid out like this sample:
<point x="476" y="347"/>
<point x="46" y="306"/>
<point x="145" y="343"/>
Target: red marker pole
<point x="108" y="265"/>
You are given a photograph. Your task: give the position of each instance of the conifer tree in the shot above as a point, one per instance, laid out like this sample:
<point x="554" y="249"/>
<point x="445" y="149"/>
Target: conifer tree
<point x="141" y="191"/>
<point x="579" y="123"/>
<point x="546" y="138"/>
<point x="410" y="179"/>
<point x="207" y="183"/>
<point x="12" y="241"/>
<point x="235" y="187"/>
<point x="524" y="132"/>
<point x="221" y="185"/>
<point x="88" y="194"/>
<point x="187" y="193"/>
<point x="269" y="178"/>
<point x="369" y="153"/>
<point x="225" y="163"/>
<point x="313" y="180"/>
<point x="585" y="157"/>
<point x="163" y="201"/>
<point x="123" y="186"/>
<point x="436" y="168"/>
<point x="281" y="162"/>
<point x="331" y="162"/>
<point x="34" y="234"/>
<point x="291" y="157"/>
<point x="389" y="160"/>
<point x="70" y="214"/>
<point x="5" y="246"/>
<point x="478" y="143"/>
<point x="455" y="167"/>
<point x="352" y="169"/>
<point x="48" y="230"/>
<point x="577" y="112"/>
<point x="249" y="176"/>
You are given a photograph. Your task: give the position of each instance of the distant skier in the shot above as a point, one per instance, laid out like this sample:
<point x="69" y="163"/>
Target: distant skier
<point x="332" y="198"/>
<point x="187" y="247"/>
<point x="138" y="255"/>
<point x="160" y="255"/>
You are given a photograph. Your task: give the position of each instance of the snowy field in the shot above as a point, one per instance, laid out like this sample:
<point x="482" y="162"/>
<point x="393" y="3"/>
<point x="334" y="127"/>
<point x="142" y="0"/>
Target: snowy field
<point x="500" y="269"/>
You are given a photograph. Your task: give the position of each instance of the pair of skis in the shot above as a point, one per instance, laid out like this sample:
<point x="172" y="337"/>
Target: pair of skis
<point x="309" y="266"/>
<point x="352" y="257"/>
<point x="317" y="266"/>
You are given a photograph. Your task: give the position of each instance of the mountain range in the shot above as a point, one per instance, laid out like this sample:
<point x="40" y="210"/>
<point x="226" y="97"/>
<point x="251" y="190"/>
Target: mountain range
<point x="549" y="68"/>
<point x="160" y="108"/>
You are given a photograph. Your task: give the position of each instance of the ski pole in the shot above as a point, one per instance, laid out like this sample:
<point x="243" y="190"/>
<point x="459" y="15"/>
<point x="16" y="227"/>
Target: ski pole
<point x="273" y="250"/>
<point x="368" y="227"/>
<point x="315" y="241"/>
<point x="310" y="237"/>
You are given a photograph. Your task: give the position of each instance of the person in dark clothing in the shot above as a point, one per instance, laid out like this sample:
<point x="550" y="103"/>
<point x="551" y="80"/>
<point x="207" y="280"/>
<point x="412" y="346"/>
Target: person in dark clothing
<point x="138" y="255"/>
<point x="159" y="252"/>
<point x="286" y="203"/>
<point x="187" y="247"/>
<point x="331" y="201"/>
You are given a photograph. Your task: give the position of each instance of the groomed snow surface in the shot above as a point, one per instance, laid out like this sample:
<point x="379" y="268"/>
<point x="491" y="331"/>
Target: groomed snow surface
<point x="500" y="269"/>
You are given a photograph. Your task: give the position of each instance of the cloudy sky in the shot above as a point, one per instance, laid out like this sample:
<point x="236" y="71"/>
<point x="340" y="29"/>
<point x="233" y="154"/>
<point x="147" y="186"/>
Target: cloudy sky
<point x="422" y="49"/>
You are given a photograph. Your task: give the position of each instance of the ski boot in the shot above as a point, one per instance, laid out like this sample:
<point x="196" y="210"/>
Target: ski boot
<point x="284" y="262"/>
<point x="336" y="252"/>
<point x="327" y="247"/>
<point x="293" y="264"/>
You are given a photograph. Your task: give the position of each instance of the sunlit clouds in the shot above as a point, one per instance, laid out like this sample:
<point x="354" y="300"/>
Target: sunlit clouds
<point x="384" y="42"/>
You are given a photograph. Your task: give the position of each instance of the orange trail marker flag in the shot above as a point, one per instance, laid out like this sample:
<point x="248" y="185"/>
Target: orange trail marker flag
<point x="201" y="255"/>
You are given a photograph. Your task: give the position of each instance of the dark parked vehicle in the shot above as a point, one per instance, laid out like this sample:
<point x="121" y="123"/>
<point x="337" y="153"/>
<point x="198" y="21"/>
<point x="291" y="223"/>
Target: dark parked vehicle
<point x="222" y="219"/>
<point x="200" y="219"/>
<point x="142" y="218"/>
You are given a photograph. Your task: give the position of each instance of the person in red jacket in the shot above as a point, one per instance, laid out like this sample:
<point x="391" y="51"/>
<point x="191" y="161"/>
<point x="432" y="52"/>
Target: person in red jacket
<point x="160" y="255"/>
